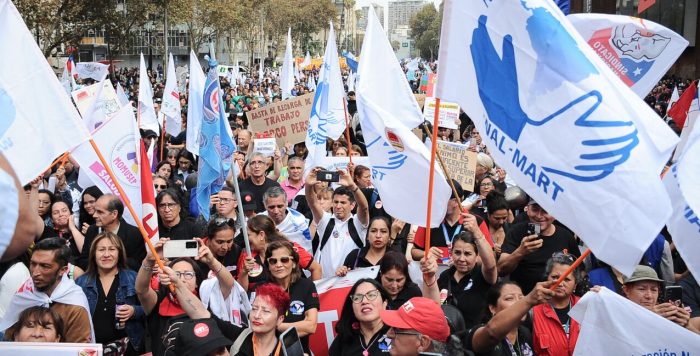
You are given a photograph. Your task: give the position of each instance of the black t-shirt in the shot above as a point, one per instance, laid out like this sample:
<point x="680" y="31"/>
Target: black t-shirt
<point x="409" y="291"/>
<point x="186" y="229"/>
<point x="468" y="295"/>
<point x="303" y="297"/>
<point x="524" y="343"/>
<point x="530" y="270"/>
<point x="229" y="260"/>
<point x="257" y="191"/>
<point x="232" y="332"/>
<point x="103" y="318"/>
<point x="159" y="326"/>
<point x="356" y="259"/>
<point x="353" y="344"/>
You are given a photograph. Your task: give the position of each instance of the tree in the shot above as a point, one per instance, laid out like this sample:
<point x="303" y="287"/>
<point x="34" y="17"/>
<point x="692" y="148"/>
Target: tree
<point x="425" y="30"/>
<point x="119" y="23"/>
<point x="396" y="45"/>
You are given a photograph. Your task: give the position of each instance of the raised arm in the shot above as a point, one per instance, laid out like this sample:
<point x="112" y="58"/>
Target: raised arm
<point x="488" y="258"/>
<point x="225" y="278"/>
<point x="188" y="301"/>
<point x="311" y="198"/>
<point x="360" y="200"/>
<point x="147" y="296"/>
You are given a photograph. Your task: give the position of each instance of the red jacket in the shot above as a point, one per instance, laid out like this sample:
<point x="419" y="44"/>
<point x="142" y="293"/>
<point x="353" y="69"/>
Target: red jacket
<point x="548" y="336"/>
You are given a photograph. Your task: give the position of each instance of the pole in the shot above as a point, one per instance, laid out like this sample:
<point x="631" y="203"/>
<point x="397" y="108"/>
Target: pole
<point x="162" y="137"/>
<point x="433" y="153"/>
<point x="126" y="201"/>
<point x="241" y="214"/>
<point x="571" y="269"/>
<point x="442" y="163"/>
<point x="347" y="129"/>
<point x="165" y="42"/>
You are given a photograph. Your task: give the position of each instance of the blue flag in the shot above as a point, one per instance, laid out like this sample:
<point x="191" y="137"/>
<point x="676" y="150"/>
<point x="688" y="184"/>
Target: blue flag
<point x="351" y="61"/>
<point x="216" y="147"/>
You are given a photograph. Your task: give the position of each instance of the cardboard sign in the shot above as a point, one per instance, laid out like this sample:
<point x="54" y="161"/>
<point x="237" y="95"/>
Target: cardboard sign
<point x="83" y="98"/>
<point x="266" y="146"/>
<point x="460" y="163"/>
<point x="449" y="113"/>
<point x="286" y="121"/>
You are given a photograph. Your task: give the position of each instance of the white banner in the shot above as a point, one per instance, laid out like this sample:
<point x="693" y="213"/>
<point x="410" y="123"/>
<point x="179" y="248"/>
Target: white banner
<point x="49" y="349"/>
<point x="195" y="105"/>
<point x="147" y="115"/>
<point x="94" y="70"/>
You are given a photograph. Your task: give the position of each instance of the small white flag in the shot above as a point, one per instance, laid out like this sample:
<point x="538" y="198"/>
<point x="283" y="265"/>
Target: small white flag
<point x="287" y="74"/>
<point x="147" y="112"/>
<point x="94" y="70"/>
<point x="171" y="101"/>
<point x="195" y="104"/>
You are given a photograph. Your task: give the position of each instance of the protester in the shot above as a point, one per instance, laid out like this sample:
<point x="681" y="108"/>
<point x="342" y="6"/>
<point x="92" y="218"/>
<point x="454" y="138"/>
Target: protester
<point x="164" y="170"/>
<point x="109" y="287"/>
<point x="87" y="208"/>
<point x="185" y="167"/>
<point x="360" y="329"/>
<point x="497" y="219"/>
<point x="64" y="227"/>
<point x="419" y="325"/>
<point x="160" y="184"/>
<point x="372" y="254"/>
<point x="226" y="206"/>
<point x="257" y="184"/>
<point x="172" y="222"/>
<point x="38" y="324"/>
<point x="295" y="178"/>
<point x="289" y="222"/>
<point x="219" y="240"/>
<point x="44" y="200"/>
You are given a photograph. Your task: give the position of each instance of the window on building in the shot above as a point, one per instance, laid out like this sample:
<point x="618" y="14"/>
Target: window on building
<point x="669" y="13"/>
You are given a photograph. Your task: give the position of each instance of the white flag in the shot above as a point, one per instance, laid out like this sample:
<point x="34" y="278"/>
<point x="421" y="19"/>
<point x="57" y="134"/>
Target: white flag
<point x="195" y="106"/>
<point x="102" y="106"/>
<point x="147" y="112"/>
<point x="394" y="151"/>
<point x="614" y="325"/>
<point x="638" y="51"/>
<point x="287" y="73"/>
<point x="118" y="140"/>
<point x="307" y="61"/>
<point x="688" y="175"/>
<point x="123" y="98"/>
<point x="38" y="121"/>
<point x="94" y="70"/>
<point x="351" y="81"/>
<point x="683" y="224"/>
<point x="171" y="101"/>
<point x="562" y="125"/>
<point x="674" y="98"/>
<point x="67" y="80"/>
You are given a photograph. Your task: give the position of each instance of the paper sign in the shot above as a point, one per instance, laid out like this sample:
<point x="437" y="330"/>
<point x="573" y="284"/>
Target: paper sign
<point x="335" y="163"/>
<point x="460" y="163"/>
<point x="449" y="113"/>
<point x="83" y="98"/>
<point x="223" y="70"/>
<point x="266" y="146"/>
<point x="49" y="349"/>
<point x="286" y="120"/>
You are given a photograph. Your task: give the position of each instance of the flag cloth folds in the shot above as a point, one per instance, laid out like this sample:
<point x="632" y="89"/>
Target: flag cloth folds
<point x="327" y="119"/>
<point x="573" y="136"/>
<point x="121" y="95"/>
<point x="102" y="107"/>
<point x="644" y="5"/>
<point x="195" y="105"/>
<point x="689" y="171"/>
<point x="638" y="51"/>
<point x="118" y="140"/>
<point x="171" y="102"/>
<point x="149" y="215"/>
<point x="307" y="61"/>
<point x="287" y="72"/>
<point x="216" y="146"/>
<point x="94" y="70"/>
<point x="607" y="321"/>
<point x="679" y="111"/>
<point x="674" y="98"/>
<point x="38" y="121"/>
<point x="387" y="106"/>
<point x="351" y="61"/>
<point x="147" y="113"/>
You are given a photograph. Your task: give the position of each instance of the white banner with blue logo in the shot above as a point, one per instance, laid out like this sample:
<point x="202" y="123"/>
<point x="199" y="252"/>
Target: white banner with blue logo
<point x="638" y="51"/>
<point x="400" y="161"/>
<point x="569" y="132"/>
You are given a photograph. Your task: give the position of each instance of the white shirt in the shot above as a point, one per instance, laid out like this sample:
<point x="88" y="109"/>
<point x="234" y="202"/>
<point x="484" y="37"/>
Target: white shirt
<point x="9" y="210"/>
<point x="296" y="227"/>
<point x="14" y="277"/>
<point x="339" y="244"/>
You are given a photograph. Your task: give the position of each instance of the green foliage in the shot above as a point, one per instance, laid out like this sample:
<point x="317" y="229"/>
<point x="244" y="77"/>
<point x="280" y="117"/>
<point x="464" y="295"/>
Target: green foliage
<point x="425" y="30"/>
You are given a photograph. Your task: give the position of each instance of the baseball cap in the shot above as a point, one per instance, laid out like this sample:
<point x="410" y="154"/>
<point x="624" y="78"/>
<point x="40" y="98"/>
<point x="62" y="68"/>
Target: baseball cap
<point x="643" y="273"/>
<point x="200" y="337"/>
<point x="420" y="314"/>
<point x="248" y="200"/>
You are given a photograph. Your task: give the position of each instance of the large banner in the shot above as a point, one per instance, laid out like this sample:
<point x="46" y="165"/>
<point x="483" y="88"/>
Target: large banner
<point x="50" y="349"/>
<point x="109" y="102"/>
<point x="286" y="120"/>
<point x="460" y="163"/>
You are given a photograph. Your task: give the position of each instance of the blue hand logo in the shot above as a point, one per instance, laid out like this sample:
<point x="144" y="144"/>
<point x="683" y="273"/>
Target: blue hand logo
<point x="8" y="112"/>
<point x="499" y="92"/>
<point x="393" y="159"/>
<point x="319" y="106"/>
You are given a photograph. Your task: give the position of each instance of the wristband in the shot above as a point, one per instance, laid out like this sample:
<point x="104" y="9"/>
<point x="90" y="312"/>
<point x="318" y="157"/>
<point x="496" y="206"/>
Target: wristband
<point x="356" y="188"/>
<point x="219" y="270"/>
<point x="147" y="267"/>
<point x="430" y="284"/>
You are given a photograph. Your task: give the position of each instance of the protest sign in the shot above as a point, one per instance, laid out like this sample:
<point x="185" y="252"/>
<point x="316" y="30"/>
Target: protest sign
<point x="459" y="162"/>
<point x="50" y="348"/>
<point x="286" y="120"/>
<point x="335" y="163"/>
<point x="449" y="113"/>
<point x="83" y="98"/>
<point x="266" y="146"/>
<point x="223" y="70"/>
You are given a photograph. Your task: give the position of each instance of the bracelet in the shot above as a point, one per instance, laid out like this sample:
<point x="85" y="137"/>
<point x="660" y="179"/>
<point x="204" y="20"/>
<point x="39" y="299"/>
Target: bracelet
<point x="356" y="188"/>
<point x="219" y="270"/>
<point x="430" y="284"/>
<point x="147" y="267"/>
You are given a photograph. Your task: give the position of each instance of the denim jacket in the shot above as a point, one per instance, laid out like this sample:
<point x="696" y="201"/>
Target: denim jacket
<point x="126" y="292"/>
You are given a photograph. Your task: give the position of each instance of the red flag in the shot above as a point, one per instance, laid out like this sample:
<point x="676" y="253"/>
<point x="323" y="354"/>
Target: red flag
<point x="679" y="111"/>
<point x="644" y="4"/>
<point x="148" y="197"/>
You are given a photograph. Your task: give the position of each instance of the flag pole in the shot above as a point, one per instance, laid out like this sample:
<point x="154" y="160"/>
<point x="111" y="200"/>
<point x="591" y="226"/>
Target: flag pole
<point x="347" y="130"/>
<point x="431" y="175"/>
<point x="241" y="213"/>
<point x="571" y="269"/>
<point x="442" y="164"/>
<point x="126" y="201"/>
<point x="162" y="138"/>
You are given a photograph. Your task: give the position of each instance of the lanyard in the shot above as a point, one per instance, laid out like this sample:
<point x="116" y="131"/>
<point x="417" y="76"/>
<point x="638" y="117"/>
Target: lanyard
<point x="277" y="349"/>
<point x="451" y="238"/>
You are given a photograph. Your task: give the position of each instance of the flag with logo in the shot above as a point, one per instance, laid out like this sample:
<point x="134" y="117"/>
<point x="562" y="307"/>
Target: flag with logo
<point x="118" y="140"/>
<point x="287" y="72"/>
<point x="147" y="113"/>
<point x="327" y="118"/>
<point x="216" y="146"/>
<point x="388" y="111"/>
<point x="102" y="107"/>
<point x="171" y="101"/>
<point x="562" y="125"/>
<point x="351" y="61"/>
<point x="614" y="325"/>
<point x="638" y="51"/>
<point x="195" y="105"/>
<point x="38" y="121"/>
<point x="149" y="215"/>
<point x="94" y="70"/>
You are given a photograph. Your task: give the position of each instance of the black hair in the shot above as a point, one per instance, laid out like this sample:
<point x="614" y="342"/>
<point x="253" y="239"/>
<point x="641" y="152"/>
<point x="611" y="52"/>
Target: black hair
<point x="496" y="201"/>
<point x="394" y="260"/>
<point x="195" y="267"/>
<point x="175" y="195"/>
<point x="494" y="292"/>
<point x="68" y="203"/>
<point x="347" y="315"/>
<point x="60" y="248"/>
<point x="342" y="190"/>
<point x="115" y="204"/>
<point x="84" y="217"/>
<point x="466" y="236"/>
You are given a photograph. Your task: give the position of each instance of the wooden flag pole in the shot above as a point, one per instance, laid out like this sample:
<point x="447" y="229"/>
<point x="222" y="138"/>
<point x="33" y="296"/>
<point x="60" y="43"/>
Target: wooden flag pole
<point x="347" y="131"/>
<point x="571" y="269"/>
<point x="431" y="175"/>
<point x="126" y="201"/>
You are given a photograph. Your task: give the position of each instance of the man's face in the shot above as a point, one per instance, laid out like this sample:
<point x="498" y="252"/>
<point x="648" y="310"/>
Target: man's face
<point x="104" y="217"/>
<point x="404" y="342"/>
<point x="257" y="166"/>
<point x="221" y="243"/>
<point x="276" y="208"/>
<point x="244" y="138"/>
<point x="644" y="293"/>
<point x="342" y="206"/>
<point x="296" y="170"/>
<point x="539" y="216"/>
<point x="44" y="269"/>
<point x="227" y="203"/>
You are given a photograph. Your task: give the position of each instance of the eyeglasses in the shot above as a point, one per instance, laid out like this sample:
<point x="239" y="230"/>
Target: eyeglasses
<point x="273" y="261"/>
<point x="486" y="184"/>
<point x="257" y="163"/>
<point x="563" y="256"/>
<point x="396" y="331"/>
<point x="172" y="156"/>
<point x="371" y="295"/>
<point x="165" y="206"/>
<point x="187" y="275"/>
<point x="158" y="186"/>
<point x="226" y="200"/>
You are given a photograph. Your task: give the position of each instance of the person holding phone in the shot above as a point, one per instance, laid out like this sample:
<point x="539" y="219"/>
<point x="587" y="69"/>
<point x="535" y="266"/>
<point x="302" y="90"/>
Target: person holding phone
<point x="172" y="222"/>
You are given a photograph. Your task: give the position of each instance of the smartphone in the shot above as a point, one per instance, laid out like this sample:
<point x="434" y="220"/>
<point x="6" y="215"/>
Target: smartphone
<point x="673" y="294"/>
<point x="533" y="229"/>
<point x="291" y="344"/>
<point x="328" y="176"/>
<point x="180" y="248"/>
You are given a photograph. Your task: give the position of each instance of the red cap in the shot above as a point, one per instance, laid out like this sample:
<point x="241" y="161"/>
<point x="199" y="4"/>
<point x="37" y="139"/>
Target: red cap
<point x="420" y="314"/>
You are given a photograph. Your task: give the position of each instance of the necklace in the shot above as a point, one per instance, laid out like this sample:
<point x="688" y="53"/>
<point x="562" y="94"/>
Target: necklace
<point x="362" y="344"/>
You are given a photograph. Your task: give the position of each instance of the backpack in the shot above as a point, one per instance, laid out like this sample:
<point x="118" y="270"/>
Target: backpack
<point x="329" y="230"/>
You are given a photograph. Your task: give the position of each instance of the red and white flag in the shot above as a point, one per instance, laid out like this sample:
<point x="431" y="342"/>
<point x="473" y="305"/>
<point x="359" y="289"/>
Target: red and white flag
<point x="149" y="216"/>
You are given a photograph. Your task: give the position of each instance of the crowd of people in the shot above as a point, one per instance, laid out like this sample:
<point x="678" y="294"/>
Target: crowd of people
<point x="486" y="276"/>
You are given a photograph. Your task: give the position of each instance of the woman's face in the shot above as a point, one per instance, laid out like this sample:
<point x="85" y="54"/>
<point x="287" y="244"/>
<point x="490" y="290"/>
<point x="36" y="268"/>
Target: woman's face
<point x="498" y="218"/>
<point x="164" y="171"/>
<point x="33" y="331"/>
<point x="566" y="287"/>
<point x="510" y="294"/>
<point x="480" y="171"/>
<point x="172" y="159"/>
<point x="366" y="310"/>
<point x="378" y="234"/>
<point x="365" y="179"/>
<point x="464" y="256"/>
<point x="326" y="200"/>
<point x="393" y="281"/>
<point x="60" y="215"/>
<point x="486" y="186"/>
<point x="257" y="240"/>
<point x="159" y="184"/>
<point x="340" y="152"/>
<point x="89" y="204"/>
<point x="44" y="203"/>
<point x="264" y="317"/>
<point x="284" y="263"/>
<point x="186" y="273"/>
<point x="169" y="210"/>
<point x="106" y="254"/>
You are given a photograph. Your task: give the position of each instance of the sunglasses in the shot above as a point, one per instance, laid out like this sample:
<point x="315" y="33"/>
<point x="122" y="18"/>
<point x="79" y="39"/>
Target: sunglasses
<point x="273" y="261"/>
<point x="158" y="186"/>
<point x="219" y="222"/>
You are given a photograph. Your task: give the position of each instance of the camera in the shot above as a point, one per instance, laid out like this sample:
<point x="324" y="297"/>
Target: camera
<point x="180" y="248"/>
<point x="328" y="176"/>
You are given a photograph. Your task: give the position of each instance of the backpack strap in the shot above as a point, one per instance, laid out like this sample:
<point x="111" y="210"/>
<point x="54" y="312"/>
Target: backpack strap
<point x="326" y="234"/>
<point x="329" y="230"/>
<point x="354" y="234"/>
<point x="240" y="340"/>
